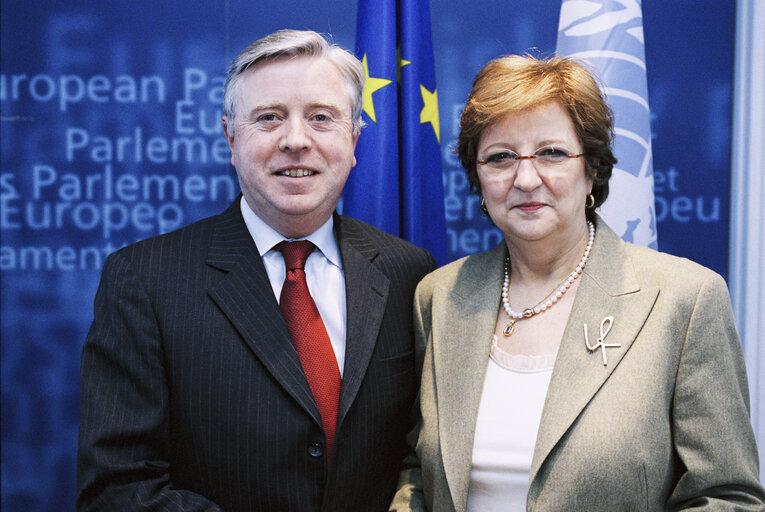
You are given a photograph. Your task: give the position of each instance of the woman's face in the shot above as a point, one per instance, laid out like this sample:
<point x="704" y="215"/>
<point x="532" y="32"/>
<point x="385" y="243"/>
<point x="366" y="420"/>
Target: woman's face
<point x="531" y="199"/>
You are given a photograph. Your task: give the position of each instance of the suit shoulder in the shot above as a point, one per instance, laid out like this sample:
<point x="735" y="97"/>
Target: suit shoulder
<point x="362" y="234"/>
<point x="445" y="274"/>
<point x="672" y="270"/>
<point x="449" y="274"/>
<point x="188" y="239"/>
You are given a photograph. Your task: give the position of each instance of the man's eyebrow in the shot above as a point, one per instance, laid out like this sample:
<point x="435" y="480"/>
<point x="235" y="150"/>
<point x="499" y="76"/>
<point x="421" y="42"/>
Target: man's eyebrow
<point x="266" y="106"/>
<point x="280" y="106"/>
<point x="322" y="104"/>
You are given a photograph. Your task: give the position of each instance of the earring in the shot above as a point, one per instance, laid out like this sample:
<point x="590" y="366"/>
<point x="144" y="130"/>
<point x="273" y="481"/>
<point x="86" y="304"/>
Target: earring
<point x="483" y="207"/>
<point x="589" y="202"/>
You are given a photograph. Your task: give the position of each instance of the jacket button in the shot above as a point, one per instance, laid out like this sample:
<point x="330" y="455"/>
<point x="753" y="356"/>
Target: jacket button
<point x="315" y="449"/>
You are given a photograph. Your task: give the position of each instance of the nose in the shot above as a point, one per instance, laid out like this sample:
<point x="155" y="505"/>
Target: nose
<point x="295" y="137"/>
<point x="526" y="175"/>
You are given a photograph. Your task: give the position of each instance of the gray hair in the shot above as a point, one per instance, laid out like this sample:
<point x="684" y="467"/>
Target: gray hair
<point x="295" y="43"/>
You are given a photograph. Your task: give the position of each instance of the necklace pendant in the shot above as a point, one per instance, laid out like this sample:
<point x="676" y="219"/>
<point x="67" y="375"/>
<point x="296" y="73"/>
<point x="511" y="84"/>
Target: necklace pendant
<point x="551" y="298"/>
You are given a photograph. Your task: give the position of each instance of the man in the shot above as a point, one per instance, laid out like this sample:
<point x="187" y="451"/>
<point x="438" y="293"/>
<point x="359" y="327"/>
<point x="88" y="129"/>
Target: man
<point x="201" y="389"/>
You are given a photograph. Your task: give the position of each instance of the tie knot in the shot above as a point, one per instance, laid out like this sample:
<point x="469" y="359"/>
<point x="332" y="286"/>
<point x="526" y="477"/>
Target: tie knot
<point x="295" y="253"/>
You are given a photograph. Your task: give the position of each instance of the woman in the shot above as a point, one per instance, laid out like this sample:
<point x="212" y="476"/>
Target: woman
<point x="567" y="370"/>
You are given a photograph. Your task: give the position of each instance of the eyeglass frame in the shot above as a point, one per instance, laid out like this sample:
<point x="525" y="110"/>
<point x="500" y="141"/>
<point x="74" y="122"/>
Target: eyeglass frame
<point x="518" y="158"/>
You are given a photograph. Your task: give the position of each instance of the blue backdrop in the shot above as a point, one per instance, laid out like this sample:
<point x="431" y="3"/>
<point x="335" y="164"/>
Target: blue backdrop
<point x="110" y="133"/>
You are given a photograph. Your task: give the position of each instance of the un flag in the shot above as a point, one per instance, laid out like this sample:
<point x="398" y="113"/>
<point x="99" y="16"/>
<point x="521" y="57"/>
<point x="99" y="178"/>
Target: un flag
<point x="608" y="34"/>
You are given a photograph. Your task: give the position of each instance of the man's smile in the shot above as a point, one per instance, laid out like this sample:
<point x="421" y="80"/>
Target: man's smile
<point x="296" y="173"/>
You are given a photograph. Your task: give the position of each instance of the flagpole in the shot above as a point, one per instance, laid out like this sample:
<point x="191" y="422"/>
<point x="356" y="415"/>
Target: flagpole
<point x="747" y="230"/>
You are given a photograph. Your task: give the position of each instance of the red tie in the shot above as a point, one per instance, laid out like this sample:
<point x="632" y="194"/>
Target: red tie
<point x="310" y="337"/>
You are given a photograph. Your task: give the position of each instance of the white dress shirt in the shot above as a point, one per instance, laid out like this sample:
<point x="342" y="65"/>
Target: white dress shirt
<point x="324" y="273"/>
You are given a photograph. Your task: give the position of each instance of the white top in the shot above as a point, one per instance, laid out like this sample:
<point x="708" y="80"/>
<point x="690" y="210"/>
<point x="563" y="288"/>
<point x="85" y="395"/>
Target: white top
<point x="323" y="269"/>
<point x="506" y="430"/>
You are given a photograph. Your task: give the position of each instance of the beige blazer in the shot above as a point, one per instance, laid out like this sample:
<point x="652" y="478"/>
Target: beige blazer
<point x="663" y="426"/>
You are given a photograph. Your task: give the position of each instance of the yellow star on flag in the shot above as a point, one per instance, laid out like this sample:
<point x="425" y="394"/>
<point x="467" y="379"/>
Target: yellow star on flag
<point x="400" y="64"/>
<point x="429" y="113"/>
<point x="370" y="85"/>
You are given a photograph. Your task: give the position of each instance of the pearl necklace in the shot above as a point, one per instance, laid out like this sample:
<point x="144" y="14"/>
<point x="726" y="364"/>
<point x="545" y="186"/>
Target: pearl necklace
<point x="554" y="295"/>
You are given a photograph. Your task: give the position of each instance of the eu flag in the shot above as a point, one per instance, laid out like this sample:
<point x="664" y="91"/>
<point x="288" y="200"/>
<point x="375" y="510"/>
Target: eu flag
<point x="397" y="184"/>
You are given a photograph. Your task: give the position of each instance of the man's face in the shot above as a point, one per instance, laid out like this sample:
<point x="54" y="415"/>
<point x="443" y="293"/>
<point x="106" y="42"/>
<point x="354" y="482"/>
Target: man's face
<point x="293" y="141"/>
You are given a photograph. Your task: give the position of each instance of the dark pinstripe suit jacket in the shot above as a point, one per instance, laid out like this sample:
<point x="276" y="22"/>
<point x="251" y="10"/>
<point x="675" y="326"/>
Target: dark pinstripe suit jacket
<point x="193" y="397"/>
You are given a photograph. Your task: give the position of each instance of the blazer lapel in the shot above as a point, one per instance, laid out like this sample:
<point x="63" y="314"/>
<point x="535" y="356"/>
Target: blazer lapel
<point x="366" y="294"/>
<point x="608" y="287"/>
<point x="245" y="296"/>
<point x="463" y="326"/>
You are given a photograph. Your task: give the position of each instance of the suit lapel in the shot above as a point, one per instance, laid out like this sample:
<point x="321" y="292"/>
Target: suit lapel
<point x="608" y="288"/>
<point x="463" y="325"/>
<point x="245" y="296"/>
<point x="366" y="294"/>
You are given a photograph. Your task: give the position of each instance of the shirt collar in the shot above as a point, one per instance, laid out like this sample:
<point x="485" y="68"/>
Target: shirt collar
<point x="266" y="237"/>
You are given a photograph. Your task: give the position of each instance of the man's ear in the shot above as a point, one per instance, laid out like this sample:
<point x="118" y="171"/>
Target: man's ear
<point x="356" y="131"/>
<point x="224" y="124"/>
<point x="229" y="137"/>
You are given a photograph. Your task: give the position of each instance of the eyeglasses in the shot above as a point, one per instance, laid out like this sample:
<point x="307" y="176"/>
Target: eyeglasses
<point x="542" y="159"/>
